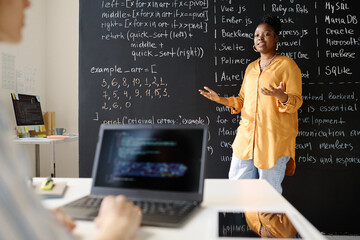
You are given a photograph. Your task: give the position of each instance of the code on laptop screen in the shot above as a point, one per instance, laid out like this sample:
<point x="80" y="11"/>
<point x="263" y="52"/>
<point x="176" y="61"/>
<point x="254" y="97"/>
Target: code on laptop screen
<point x="27" y="110"/>
<point x="154" y="159"/>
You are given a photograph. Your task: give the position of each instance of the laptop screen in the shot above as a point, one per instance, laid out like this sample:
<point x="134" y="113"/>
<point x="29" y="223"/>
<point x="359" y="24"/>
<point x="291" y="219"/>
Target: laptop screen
<point x="151" y="159"/>
<point x="27" y="110"/>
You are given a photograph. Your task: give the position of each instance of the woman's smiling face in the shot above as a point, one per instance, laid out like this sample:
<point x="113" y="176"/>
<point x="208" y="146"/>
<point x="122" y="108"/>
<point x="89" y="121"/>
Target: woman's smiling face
<point x="265" y="39"/>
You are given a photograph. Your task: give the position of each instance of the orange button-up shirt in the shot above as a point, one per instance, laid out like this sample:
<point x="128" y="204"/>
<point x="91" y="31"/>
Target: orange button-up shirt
<point x="268" y="128"/>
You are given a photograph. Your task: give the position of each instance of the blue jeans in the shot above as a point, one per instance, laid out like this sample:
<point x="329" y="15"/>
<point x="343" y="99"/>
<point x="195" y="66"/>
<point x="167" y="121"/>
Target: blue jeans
<point x="245" y="169"/>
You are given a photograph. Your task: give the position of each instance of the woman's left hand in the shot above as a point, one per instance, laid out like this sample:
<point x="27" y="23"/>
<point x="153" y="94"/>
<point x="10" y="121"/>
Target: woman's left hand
<point x="64" y="219"/>
<point x="277" y="92"/>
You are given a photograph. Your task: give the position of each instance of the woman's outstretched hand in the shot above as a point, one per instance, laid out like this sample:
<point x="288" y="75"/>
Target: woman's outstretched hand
<point x="210" y="94"/>
<point x="277" y="92"/>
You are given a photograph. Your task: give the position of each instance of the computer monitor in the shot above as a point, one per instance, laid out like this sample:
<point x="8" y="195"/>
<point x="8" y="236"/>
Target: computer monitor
<point x="27" y="110"/>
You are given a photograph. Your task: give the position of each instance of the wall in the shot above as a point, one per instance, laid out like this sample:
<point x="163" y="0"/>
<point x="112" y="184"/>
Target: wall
<point x="30" y="53"/>
<point x="62" y="27"/>
<point x="50" y="45"/>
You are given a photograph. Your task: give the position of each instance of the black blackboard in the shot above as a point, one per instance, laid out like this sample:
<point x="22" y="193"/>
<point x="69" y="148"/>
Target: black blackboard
<point x="142" y="62"/>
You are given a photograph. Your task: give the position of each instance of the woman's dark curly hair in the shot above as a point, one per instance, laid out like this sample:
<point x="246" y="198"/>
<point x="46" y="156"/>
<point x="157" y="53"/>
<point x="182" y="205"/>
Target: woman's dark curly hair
<point x="272" y="21"/>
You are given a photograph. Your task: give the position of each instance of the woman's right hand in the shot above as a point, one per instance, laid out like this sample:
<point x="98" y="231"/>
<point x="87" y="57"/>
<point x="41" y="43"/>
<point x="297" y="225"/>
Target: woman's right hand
<point x="210" y="94"/>
<point x="118" y="219"/>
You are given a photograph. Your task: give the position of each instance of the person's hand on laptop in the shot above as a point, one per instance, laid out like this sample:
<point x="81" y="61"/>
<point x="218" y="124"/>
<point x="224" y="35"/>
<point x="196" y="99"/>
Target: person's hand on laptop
<point x="118" y="218"/>
<point x="64" y="219"/>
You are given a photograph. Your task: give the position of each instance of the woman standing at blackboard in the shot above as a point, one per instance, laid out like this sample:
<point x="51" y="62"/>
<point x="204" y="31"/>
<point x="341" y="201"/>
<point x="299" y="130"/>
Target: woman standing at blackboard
<point x="269" y="98"/>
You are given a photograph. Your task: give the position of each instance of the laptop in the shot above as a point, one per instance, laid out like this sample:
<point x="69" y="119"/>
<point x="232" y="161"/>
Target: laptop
<point x="160" y="168"/>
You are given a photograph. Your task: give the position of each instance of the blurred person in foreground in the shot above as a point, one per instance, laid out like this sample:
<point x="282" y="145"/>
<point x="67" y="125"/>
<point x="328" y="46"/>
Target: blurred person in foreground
<point x="22" y="215"/>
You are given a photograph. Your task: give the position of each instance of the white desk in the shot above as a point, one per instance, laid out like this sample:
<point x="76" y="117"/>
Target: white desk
<point x="51" y="142"/>
<point x="219" y="195"/>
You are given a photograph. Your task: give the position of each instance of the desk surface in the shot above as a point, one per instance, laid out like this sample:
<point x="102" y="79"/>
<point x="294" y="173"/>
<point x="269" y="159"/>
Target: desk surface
<point x="219" y="195"/>
<point x="34" y="140"/>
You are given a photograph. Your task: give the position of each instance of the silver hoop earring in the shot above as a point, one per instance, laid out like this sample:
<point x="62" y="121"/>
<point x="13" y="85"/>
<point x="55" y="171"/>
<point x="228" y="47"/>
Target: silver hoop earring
<point x="255" y="48"/>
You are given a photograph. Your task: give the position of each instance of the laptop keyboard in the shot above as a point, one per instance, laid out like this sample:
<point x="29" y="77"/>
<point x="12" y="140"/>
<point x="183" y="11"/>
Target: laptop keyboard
<point x="156" y="208"/>
<point x="87" y="202"/>
<point x="171" y="208"/>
